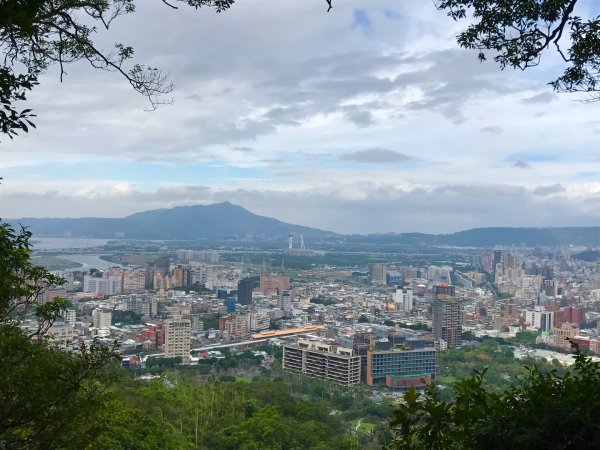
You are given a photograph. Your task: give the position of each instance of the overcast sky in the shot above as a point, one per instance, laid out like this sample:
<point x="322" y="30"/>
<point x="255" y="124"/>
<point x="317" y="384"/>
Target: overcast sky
<point x="365" y="119"/>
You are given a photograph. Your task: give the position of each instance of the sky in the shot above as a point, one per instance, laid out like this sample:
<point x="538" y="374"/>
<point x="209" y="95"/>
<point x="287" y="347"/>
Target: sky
<point x="366" y="119"/>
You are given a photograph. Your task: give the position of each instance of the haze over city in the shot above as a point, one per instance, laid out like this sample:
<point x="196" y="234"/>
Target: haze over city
<point x="366" y="119"/>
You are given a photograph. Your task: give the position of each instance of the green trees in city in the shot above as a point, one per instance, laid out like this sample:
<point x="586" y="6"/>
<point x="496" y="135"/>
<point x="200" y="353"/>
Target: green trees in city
<point x="545" y="409"/>
<point x="48" y="398"/>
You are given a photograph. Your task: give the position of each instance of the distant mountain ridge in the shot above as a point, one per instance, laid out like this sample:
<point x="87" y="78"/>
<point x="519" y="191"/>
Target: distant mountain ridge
<point x="226" y="220"/>
<point x="220" y="220"/>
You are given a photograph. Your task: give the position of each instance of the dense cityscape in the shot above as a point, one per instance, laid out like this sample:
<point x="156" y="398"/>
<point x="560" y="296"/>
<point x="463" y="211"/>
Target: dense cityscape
<point x="381" y="324"/>
<point x="316" y="225"/>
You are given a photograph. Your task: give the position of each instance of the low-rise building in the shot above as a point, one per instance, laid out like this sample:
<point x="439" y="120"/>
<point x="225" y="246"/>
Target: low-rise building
<point x="400" y="368"/>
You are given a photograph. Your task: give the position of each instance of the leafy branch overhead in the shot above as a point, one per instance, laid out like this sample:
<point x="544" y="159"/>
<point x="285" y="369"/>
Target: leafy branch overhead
<point x="37" y="34"/>
<point x="518" y="32"/>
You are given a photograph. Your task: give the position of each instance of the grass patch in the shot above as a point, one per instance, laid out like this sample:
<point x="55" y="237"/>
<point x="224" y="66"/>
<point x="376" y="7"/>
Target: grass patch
<point x="54" y="263"/>
<point x="364" y="427"/>
<point x="445" y="379"/>
<point x="244" y="379"/>
<point x="136" y="259"/>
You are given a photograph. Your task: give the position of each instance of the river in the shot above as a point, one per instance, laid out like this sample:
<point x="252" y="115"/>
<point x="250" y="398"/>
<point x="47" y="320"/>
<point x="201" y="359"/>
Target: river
<point x="89" y="261"/>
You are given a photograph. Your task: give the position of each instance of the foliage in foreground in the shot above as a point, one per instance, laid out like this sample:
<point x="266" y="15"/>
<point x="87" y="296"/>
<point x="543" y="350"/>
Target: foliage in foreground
<point x="518" y="32"/>
<point x="546" y="410"/>
<point x="55" y="399"/>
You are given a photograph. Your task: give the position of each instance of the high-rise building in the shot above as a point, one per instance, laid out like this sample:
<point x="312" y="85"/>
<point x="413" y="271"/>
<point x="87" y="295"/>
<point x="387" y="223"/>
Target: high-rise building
<point x="179" y="276"/>
<point x="400" y="368"/>
<point x="106" y="286"/>
<point x="487" y="260"/>
<point x="134" y="281"/>
<point x="497" y="258"/>
<point x="540" y="318"/>
<point x="245" y="288"/>
<point x="403" y="298"/>
<point x="70" y="317"/>
<point x="229" y="303"/>
<point x="444" y="289"/>
<point x="162" y="265"/>
<point x="561" y="336"/>
<point x="177" y="338"/>
<point x="509" y="261"/>
<point x="322" y="360"/>
<point x="270" y="284"/>
<point x="101" y="318"/>
<point x="439" y="275"/>
<point x="447" y="320"/>
<point x="378" y="273"/>
<point x="48" y="295"/>
<point x="284" y="300"/>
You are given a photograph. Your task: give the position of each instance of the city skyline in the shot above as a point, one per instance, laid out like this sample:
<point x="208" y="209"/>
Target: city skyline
<point x="366" y="119"/>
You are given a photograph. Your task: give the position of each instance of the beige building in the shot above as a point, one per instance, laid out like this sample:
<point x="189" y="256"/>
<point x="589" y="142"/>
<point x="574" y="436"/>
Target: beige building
<point x="378" y="273"/>
<point x="177" y="338"/>
<point x="561" y="336"/>
<point x="101" y="318"/>
<point x="61" y="335"/>
<point x="322" y="360"/>
<point x="447" y="320"/>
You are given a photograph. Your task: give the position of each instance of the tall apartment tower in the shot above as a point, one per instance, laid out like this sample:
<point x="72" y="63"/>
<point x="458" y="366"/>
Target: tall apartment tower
<point x="245" y="288"/>
<point x="497" y="258"/>
<point x="177" y="338"/>
<point x="378" y="273"/>
<point x="447" y="321"/>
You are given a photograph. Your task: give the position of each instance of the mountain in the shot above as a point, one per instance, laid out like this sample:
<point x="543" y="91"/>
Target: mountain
<point x="530" y="237"/>
<point x="225" y="220"/>
<point x="221" y="220"/>
<point x="490" y="237"/>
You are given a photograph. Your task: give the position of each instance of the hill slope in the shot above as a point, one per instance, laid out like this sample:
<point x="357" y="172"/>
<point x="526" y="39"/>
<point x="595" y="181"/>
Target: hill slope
<point x="225" y="220"/>
<point x="220" y="220"/>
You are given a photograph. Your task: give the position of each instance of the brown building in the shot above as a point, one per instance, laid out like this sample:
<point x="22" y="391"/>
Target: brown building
<point x="566" y="331"/>
<point x="569" y="314"/>
<point x="270" y="284"/>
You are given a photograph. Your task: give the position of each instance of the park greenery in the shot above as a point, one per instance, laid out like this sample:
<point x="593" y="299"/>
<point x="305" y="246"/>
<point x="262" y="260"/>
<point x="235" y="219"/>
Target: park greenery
<point x="503" y="370"/>
<point x="544" y="409"/>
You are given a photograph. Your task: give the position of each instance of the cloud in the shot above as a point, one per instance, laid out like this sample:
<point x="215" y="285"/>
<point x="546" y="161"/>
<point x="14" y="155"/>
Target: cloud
<point x="244" y="149"/>
<point x="391" y="15"/>
<point x="520" y="164"/>
<point x="492" y="129"/>
<point x="277" y="103"/>
<point x="549" y="190"/>
<point x="376" y="156"/>
<point x="544" y="97"/>
<point x="360" y="117"/>
<point x="344" y="207"/>
<point x="362" y="22"/>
